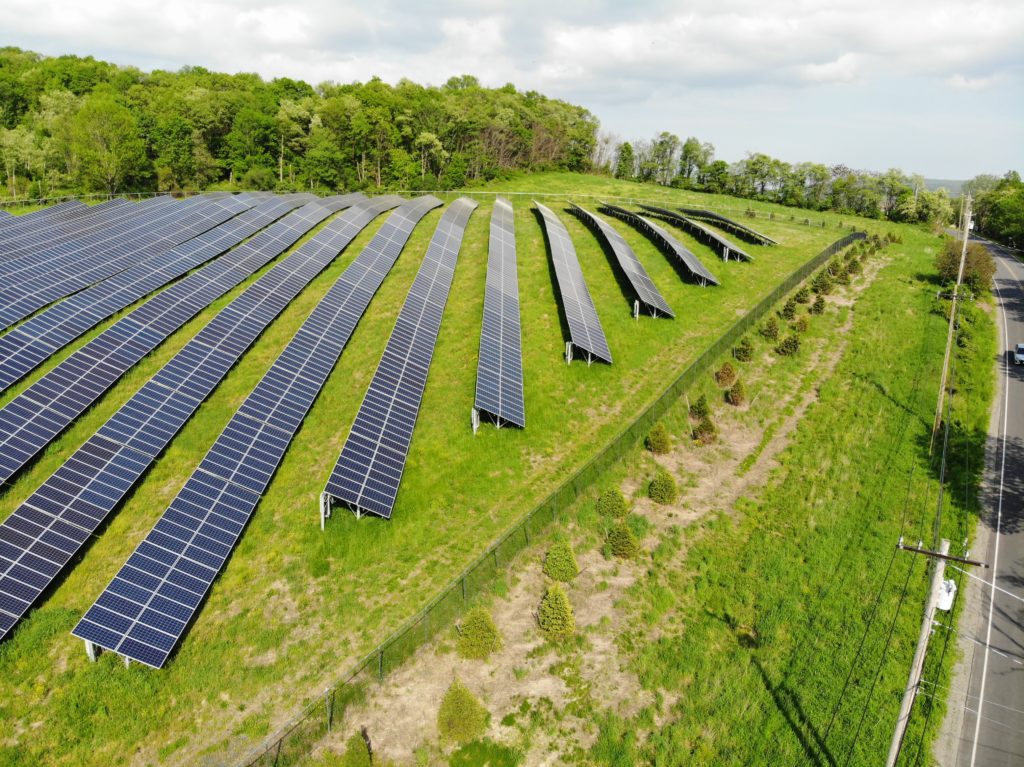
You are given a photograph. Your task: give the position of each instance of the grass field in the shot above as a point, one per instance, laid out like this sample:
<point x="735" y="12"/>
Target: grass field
<point x="295" y="606"/>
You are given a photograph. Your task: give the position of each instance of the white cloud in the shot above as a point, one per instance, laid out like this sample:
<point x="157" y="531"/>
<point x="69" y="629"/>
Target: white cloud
<point x="970" y="83"/>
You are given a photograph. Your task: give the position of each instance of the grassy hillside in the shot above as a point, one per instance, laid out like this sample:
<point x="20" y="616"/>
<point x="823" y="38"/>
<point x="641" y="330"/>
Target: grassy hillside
<point x="295" y="606"/>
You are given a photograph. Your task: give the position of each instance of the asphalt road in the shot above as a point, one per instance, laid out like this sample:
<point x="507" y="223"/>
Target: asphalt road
<point x="989" y="710"/>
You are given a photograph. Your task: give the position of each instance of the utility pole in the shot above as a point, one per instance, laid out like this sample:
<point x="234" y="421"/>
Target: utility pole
<point x="914" y="681"/>
<point x="952" y="323"/>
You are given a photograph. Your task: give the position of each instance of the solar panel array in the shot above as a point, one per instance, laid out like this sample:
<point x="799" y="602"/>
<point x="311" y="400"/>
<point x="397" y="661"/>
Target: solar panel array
<point x="665" y="241"/>
<point x="697" y="230"/>
<point x="72" y="272"/>
<point x="585" y="328"/>
<point x="149" y="603"/>
<point x="36" y="339"/>
<point x="32" y="419"/>
<point x="43" y="533"/>
<point x="739" y="229"/>
<point x="369" y="469"/>
<point x="646" y="292"/>
<point x="499" y="372"/>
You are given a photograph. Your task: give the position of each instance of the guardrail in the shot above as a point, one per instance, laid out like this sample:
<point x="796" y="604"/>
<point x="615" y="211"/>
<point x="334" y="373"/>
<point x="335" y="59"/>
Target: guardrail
<point x="293" y="741"/>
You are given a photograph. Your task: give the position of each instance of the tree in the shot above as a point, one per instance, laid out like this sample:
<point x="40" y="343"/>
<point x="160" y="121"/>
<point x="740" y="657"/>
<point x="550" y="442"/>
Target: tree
<point x="662" y="488"/>
<point x="461" y="717"/>
<point x="624" y="163"/>
<point x="555" y="614"/>
<point x="478" y="636"/>
<point x="693" y="157"/>
<point x="736" y="395"/>
<point x="251" y="141"/>
<point x="658" y="440"/>
<point x="623" y="541"/>
<point x="612" y="503"/>
<point x="106" y="141"/>
<point x="560" y="561"/>
<point x="979" y="267"/>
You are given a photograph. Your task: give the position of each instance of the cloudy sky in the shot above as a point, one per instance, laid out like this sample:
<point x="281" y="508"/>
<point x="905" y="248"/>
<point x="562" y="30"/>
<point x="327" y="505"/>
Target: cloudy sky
<point x="930" y="86"/>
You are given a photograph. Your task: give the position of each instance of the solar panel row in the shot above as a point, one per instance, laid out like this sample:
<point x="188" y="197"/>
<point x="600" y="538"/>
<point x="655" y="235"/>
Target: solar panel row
<point x="61" y="211"/>
<point x="145" y="609"/>
<point x="87" y="266"/>
<point x="90" y="484"/>
<point x="700" y="232"/>
<point x="499" y="373"/>
<point x="36" y="339"/>
<point x="32" y="419"/>
<point x="369" y="469"/>
<point x="585" y="331"/>
<point x="644" y="288"/>
<point x="683" y="255"/>
<point x="739" y="229"/>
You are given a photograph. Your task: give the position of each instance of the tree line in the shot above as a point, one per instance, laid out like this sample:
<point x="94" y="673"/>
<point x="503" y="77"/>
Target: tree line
<point x="691" y="164"/>
<point x="72" y="124"/>
<point x="998" y="205"/>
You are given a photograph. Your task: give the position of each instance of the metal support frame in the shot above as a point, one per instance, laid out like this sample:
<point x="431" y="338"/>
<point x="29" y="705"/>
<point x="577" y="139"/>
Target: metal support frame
<point x="92" y="650"/>
<point x="568" y="352"/>
<point x="636" y="310"/>
<point x="474" y="419"/>
<point x="325" y="509"/>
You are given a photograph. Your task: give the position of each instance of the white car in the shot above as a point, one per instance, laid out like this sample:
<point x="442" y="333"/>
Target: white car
<point x="1018" y="355"/>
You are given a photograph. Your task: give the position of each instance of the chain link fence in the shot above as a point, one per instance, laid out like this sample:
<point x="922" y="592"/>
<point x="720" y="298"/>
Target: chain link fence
<point x="294" y="740"/>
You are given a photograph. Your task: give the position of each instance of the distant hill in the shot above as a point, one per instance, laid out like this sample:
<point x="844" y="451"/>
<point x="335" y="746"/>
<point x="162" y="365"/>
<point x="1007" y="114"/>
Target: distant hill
<point x="950" y="185"/>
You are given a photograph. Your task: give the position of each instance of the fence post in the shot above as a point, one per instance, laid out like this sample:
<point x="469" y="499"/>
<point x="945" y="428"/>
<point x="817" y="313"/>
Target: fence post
<point x="380" y="665"/>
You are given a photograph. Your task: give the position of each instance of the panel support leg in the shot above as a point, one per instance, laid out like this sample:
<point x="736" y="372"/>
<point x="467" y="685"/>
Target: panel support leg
<point x="568" y="352"/>
<point x="91" y="650"/>
<point x="636" y="311"/>
<point x="325" y="509"/>
<point x="474" y="418"/>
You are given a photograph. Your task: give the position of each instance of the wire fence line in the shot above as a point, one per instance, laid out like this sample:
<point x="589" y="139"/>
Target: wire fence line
<point x="294" y="740"/>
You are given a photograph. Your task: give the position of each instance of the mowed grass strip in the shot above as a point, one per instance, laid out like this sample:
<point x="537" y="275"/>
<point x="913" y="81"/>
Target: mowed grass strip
<point x="295" y="606"/>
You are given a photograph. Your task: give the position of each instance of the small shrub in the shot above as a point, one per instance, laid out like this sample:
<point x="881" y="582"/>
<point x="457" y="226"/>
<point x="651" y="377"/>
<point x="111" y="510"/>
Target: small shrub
<point x="658" y="440"/>
<point x="663" y="488"/>
<point x="788" y="346"/>
<point x="623" y="541"/>
<point x="560" y="562"/>
<point x="818" y="307"/>
<point x="744" y="350"/>
<point x="736" y="395"/>
<point x="478" y="636"/>
<point x="357" y="753"/>
<point x="699" y="409"/>
<point x="555" y="615"/>
<point x="788" y="311"/>
<point x="802" y="324"/>
<point x="462" y="717"/>
<point x="705" y="432"/>
<point x="822" y="283"/>
<point x="802" y="296"/>
<point x="726" y="375"/>
<point x="612" y="504"/>
<point x="770" y="329"/>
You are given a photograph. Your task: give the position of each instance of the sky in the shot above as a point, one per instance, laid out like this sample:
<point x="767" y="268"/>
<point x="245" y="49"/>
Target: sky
<point x="934" y="87"/>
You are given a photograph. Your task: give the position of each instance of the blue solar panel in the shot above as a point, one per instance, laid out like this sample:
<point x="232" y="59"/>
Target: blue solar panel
<point x="64" y="392"/>
<point x="369" y="470"/>
<point x="215" y="504"/>
<point x="25" y="235"/>
<point x="741" y="230"/>
<point x="646" y="292"/>
<point x="499" y="374"/>
<point x="144" y="426"/>
<point x="697" y="230"/>
<point x="585" y="330"/>
<point x="666" y="242"/>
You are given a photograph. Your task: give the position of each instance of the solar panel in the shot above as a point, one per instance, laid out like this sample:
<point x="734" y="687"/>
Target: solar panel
<point x="499" y="373"/>
<point x="34" y="340"/>
<point x="683" y="255"/>
<point x="90" y="484"/>
<point x="585" y="331"/>
<point x="369" y="470"/>
<point x="697" y="230"/>
<point x="32" y="419"/>
<point x="739" y="229"/>
<point x="646" y="292"/>
<point x="144" y="619"/>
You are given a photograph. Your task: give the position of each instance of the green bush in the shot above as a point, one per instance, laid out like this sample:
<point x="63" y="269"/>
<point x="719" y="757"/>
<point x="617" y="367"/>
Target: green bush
<point x="802" y="296"/>
<point x="462" y="717"/>
<point x="555" y="614"/>
<point x="478" y="636"/>
<point x="560" y="562"/>
<point x="818" y="307"/>
<point x="726" y="375"/>
<point x="736" y="395"/>
<point x="788" y="310"/>
<point x="663" y="488"/>
<point x="788" y="346"/>
<point x="658" y="441"/>
<point x="770" y="329"/>
<point x="357" y="753"/>
<point x="623" y="541"/>
<point x="699" y="409"/>
<point x="705" y="432"/>
<point x="612" y="504"/>
<point x="822" y="283"/>
<point x="744" y="350"/>
<point x="802" y="324"/>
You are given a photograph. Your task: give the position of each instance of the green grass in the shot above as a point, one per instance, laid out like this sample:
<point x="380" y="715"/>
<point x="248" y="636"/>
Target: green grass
<point x="295" y="607"/>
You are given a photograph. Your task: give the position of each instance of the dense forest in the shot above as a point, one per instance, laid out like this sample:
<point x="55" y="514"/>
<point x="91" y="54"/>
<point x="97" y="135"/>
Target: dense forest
<point x="71" y="125"/>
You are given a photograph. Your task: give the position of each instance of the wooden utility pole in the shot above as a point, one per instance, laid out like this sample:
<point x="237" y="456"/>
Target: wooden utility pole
<point x="914" y="681"/>
<point x="952" y="323"/>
